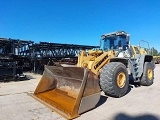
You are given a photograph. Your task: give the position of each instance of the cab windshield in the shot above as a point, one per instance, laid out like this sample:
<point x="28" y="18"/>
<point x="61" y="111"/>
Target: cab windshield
<point x="114" y="43"/>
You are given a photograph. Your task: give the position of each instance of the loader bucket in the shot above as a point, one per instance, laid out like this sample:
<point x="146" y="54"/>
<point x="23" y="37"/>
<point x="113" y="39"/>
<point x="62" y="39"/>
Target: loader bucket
<point x="68" y="91"/>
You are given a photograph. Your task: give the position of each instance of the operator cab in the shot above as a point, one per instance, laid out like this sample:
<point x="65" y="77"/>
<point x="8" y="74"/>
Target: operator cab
<point x="117" y="41"/>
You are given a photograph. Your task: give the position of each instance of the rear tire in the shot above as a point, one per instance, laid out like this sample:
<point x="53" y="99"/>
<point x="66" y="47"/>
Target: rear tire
<point x="148" y="74"/>
<point x="114" y="79"/>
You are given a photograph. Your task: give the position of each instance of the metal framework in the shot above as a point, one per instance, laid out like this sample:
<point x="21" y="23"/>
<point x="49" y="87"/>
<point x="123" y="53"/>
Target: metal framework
<point x="15" y="46"/>
<point x="56" y="50"/>
<point x="11" y="68"/>
<point x="44" y="53"/>
<point x="35" y="55"/>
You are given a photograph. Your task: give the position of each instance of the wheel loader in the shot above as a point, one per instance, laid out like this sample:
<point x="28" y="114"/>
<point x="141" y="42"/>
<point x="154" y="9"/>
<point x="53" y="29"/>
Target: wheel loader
<point x="73" y="90"/>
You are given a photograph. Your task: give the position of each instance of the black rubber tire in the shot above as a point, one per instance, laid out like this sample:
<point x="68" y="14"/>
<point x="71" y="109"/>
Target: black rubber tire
<point x="145" y="81"/>
<point x="108" y="79"/>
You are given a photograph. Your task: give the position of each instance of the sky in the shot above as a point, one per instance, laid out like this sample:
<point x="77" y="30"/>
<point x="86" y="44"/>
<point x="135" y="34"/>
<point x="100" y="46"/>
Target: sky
<point x="80" y="22"/>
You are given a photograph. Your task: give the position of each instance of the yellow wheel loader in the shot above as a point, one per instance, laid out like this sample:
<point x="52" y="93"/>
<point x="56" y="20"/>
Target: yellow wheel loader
<point x="73" y="90"/>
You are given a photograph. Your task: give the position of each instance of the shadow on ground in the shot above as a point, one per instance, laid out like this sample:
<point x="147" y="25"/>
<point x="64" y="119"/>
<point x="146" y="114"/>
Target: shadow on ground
<point x="17" y="79"/>
<point x="102" y="100"/>
<point x="122" y="116"/>
<point x="29" y="77"/>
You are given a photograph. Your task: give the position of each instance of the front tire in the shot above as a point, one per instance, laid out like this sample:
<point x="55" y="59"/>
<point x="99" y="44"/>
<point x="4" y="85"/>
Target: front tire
<point x="148" y="74"/>
<point x="114" y="80"/>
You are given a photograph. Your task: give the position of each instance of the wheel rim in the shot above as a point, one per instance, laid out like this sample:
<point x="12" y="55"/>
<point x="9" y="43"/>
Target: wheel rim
<point x="150" y="74"/>
<point x="121" y="80"/>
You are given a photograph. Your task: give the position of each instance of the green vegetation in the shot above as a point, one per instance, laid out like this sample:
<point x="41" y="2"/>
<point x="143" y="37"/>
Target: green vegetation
<point x="154" y="52"/>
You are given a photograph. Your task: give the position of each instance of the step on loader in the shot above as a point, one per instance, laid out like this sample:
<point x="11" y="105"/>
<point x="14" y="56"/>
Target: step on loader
<point x="73" y="90"/>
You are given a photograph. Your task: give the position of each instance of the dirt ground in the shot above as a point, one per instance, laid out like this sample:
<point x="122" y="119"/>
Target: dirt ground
<point x="140" y="103"/>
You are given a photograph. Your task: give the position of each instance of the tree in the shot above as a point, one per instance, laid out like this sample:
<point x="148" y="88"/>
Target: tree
<point x="154" y="52"/>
